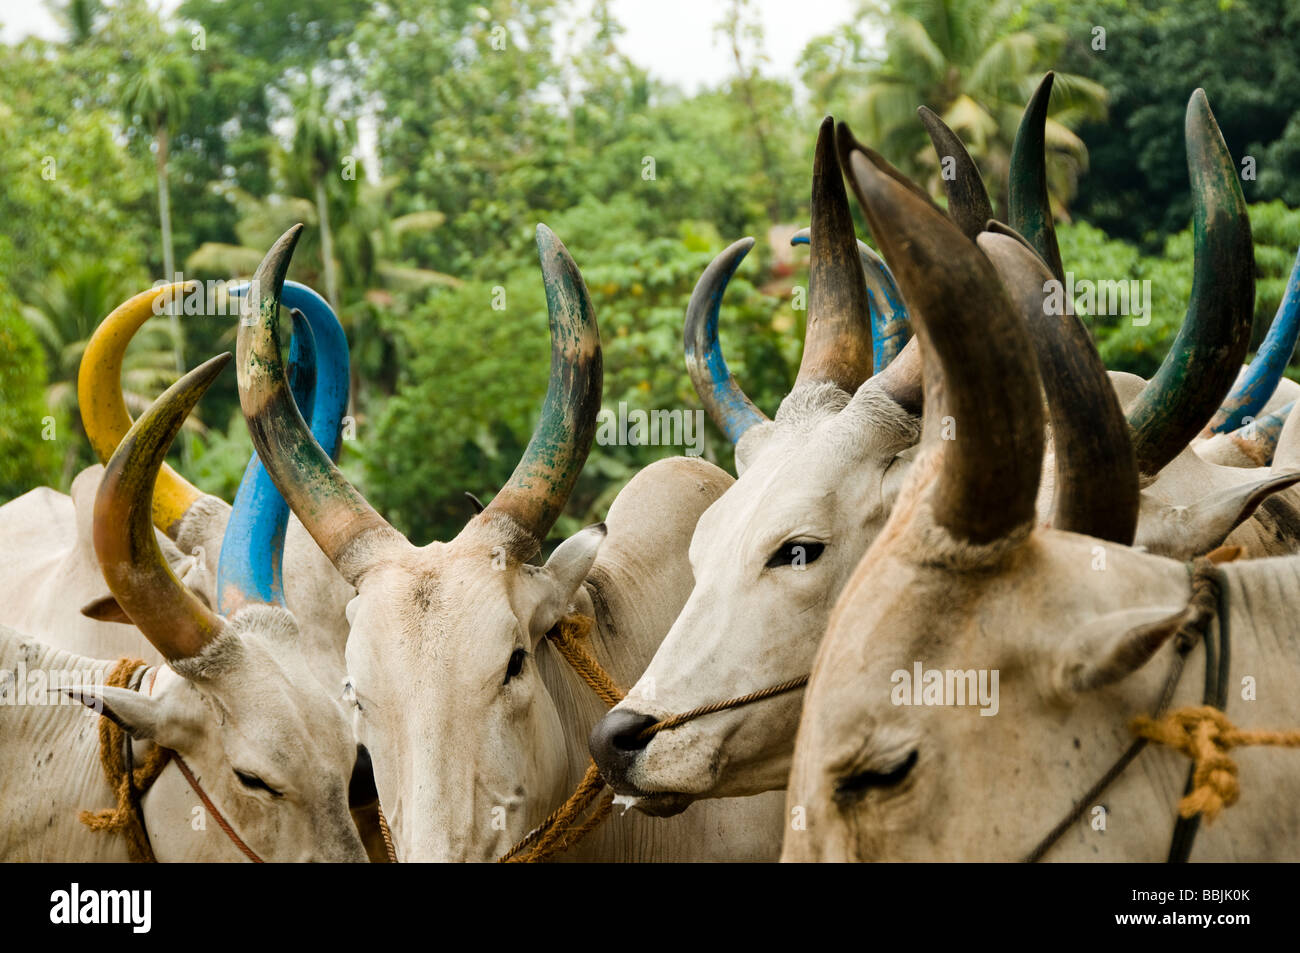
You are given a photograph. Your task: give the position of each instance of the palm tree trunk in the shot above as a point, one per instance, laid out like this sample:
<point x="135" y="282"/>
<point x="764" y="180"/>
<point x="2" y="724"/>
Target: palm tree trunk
<point x="327" y="245"/>
<point x="169" y="257"/>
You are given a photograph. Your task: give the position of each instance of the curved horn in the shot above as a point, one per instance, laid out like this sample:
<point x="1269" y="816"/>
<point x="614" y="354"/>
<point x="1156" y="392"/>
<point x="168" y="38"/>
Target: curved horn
<point x="331" y="354"/>
<point x="540" y="485"/>
<point x="731" y="410"/>
<point x="1207" y="354"/>
<point x="1096" y="474"/>
<point x="968" y="200"/>
<point x="99" y="394"/>
<point x="890" y="327"/>
<point x="1257" y="385"/>
<point x="168" y="614"/>
<point x="252" y="548"/>
<point x="344" y="525"/>
<point x="837" y="341"/>
<point x="1030" y="208"/>
<point x="980" y="367"/>
<point x="846" y="145"/>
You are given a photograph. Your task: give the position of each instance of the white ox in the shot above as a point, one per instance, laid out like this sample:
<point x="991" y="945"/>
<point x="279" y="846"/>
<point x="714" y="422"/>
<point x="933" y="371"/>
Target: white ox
<point x="1078" y="629"/>
<point x="475" y="726"/>
<point x="237" y="704"/>
<point x="819" y="481"/>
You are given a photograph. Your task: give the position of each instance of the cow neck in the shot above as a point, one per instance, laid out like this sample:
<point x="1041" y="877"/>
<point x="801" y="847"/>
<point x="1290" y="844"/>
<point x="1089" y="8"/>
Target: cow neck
<point x="1209" y="601"/>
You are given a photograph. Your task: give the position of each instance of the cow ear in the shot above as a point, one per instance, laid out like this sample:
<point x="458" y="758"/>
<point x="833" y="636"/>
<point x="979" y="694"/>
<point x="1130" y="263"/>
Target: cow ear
<point x="139" y="715"/>
<point x="172" y="721"/>
<point x="105" y="609"/>
<point x="1218" y="514"/>
<point x="563" y="573"/>
<point x="1113" y="646"/>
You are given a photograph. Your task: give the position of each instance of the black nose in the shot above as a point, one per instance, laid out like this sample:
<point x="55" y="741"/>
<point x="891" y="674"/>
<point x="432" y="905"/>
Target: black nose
<point x="615" y="742"/>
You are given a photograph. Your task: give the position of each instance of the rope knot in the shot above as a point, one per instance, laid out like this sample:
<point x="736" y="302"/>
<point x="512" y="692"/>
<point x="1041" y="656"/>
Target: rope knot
<point x="1205" y="735"/>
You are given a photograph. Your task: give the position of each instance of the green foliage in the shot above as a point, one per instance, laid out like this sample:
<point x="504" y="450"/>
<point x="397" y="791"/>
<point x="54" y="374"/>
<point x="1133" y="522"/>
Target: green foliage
<point x="1089" y="254"/>
<point x="26" y="460"/>
<point x="1157" y="52"/>
<point x="974" y="63"/>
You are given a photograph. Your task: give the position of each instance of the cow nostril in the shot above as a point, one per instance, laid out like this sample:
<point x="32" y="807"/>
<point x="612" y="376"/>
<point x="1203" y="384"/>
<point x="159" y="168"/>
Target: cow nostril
<point x="631" y="738"/>
<point x="616" y="739"/>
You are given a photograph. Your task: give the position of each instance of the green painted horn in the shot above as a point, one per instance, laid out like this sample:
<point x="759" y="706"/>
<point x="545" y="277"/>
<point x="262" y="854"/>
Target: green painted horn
<point x="1030" y="209"/>
<point x="540" y="485"/>
<point x="968" y="200"/>
<point x="347" y="528"/>
<point x="1205" y="358"/>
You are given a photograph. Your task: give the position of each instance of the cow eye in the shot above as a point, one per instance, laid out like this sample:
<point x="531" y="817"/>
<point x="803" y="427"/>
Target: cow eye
<point x="516" y="664"/>
<point x="797" y="553"/>
<point x="854" y="786"/>
<point x="255" y="783"/>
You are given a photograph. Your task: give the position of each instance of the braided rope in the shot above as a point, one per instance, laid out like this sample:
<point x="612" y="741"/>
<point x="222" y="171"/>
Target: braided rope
<point x="1205" y="735"/>
<point x="127" y="782"/>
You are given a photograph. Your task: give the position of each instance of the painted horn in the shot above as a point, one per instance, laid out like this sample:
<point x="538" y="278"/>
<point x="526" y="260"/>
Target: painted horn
<point x="99" y="394"/>
<point x="1257" y="384"/>
<point x="1257" y="441"/>
<point x="980" y="368"/>
<point x="347" y="528"/>
<point x="730" y="409"/>
<point x="252" y="548"/>
<point x="968" y="200"/>
<point x="536" y="492"/>
<point x="250" y="568"/>
<point x="1030" y="208"/>
<point x="1205" y="358"/>
<point x="1096" y="474"/>
<point x="837" y="341"/>
<point x="168" y="614"/>
<point x="890" y="328"/>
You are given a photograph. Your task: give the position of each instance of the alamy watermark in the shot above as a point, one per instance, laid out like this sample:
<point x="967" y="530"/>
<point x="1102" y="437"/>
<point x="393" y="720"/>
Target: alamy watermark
<point x="946" y="687"/>
<point x="35" y="687"/>
<point x="1132" y="297"/>
<point x="213" y="297"/>
<point x="651" y="428"/>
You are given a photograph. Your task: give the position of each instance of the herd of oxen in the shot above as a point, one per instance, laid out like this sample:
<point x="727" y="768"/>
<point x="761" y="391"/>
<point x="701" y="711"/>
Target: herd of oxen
<point x="955" y="484"/>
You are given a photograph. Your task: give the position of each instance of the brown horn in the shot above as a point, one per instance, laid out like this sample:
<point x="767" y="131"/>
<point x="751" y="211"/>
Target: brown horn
<point x="980" y="367"/>
<point x="968" y="200"/>
<point x="347" y="528"/>
<point x="1096" y="474"/>
<point x="837" y="342"/>
<point x="169" y="615"/>
<point x="540" y="485"/>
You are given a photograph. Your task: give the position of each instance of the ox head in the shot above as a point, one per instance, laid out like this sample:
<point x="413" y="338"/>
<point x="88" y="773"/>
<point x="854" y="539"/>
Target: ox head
<point x="467" y="745"/>
<point x="769" y="557"/>
<point x="271" y="746"/>
<point x="973" y="650"/>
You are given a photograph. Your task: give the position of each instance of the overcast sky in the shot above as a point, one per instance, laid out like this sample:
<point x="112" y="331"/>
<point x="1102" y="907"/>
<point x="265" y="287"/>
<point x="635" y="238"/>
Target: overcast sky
<point x="674" y="39"/>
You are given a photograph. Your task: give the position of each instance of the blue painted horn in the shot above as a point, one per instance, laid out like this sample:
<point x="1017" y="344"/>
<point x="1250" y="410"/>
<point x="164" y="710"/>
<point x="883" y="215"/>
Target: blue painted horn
<point x="1260" y="380"/>
<point x="252" y="549"/>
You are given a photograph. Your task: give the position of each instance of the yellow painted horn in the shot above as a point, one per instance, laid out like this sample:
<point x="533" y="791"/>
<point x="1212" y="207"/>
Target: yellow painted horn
<point x="103" y="409"/>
